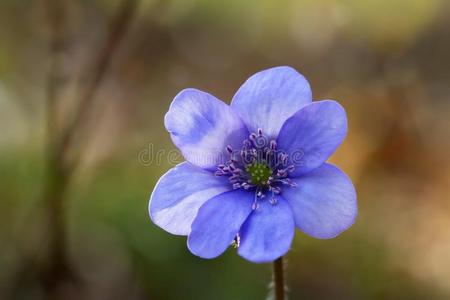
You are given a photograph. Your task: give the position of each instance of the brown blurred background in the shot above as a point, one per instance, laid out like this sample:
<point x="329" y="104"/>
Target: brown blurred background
<point x="84" y="86"/>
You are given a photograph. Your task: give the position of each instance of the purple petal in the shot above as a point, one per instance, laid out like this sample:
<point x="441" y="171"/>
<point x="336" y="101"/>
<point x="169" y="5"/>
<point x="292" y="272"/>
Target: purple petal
<point x="268" y="98"/>
<point x="268" y="232"/>
<point x="323" y="202"/>
<point x="218" y="221"/>
<point x="313" y="134"/>
<point x="202" y="126"/>
<point x="179" y="194"/>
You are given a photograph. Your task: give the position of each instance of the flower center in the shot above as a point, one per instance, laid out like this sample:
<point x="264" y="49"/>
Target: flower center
<point x="259" y="173"/>
<point x="258" y="166"/>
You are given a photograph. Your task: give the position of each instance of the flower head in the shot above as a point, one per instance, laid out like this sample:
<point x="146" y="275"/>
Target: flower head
<point x="255" y="169"/>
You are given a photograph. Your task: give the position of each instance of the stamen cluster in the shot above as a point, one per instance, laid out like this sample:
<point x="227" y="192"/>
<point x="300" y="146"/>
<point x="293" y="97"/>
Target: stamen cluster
<point x="257" y="166"/>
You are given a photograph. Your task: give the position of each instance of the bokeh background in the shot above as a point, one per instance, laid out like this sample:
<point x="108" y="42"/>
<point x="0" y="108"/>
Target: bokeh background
<point x="84" y="86"/>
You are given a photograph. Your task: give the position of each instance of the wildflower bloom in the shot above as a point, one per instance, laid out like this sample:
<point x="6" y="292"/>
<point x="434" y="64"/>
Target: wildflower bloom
<point x="255" y="169"/>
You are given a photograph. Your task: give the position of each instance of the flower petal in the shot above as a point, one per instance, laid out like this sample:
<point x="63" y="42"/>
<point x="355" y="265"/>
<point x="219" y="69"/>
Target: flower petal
<point x="323" y="202"/>
<point x="268" y="232"/>
<point x="202" y="126"/>
<point x="268" y="98"/>
<point x="218" y="221"/>
<point x="313" y="134"/>
<point x="179" y="194"/>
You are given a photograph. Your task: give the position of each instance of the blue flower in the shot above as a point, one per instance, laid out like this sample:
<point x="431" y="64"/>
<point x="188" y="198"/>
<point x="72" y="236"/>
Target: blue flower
<point x="255" y="169"/>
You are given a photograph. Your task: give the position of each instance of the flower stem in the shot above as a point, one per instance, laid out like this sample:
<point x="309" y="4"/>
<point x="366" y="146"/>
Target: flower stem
<point x="278" y="278"/>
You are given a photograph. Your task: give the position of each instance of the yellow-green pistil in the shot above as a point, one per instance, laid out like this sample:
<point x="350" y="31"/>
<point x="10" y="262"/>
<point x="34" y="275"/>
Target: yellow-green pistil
<point x="259" y="173"/>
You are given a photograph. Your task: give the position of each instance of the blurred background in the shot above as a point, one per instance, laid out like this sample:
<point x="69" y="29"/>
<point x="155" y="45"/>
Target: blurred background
<point x="84" y="86"/>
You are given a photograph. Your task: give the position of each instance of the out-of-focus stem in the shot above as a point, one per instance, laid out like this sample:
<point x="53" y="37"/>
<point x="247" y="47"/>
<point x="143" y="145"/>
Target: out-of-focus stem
<point x="56" y="24"/>
<point x="57" y="264"/>
<point x="117" y="29"/>
<point x="58" y="268"/>
<point x="278" y="279"/>
<point x="59" y="165"/>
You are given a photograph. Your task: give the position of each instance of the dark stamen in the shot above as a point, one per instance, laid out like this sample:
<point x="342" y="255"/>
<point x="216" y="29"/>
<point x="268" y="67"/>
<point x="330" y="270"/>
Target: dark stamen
<point x="259" y="167"/>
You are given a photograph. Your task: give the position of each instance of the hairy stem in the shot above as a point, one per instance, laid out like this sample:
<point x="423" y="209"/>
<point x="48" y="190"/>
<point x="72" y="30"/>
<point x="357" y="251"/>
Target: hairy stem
<point x="278" y="279"/>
